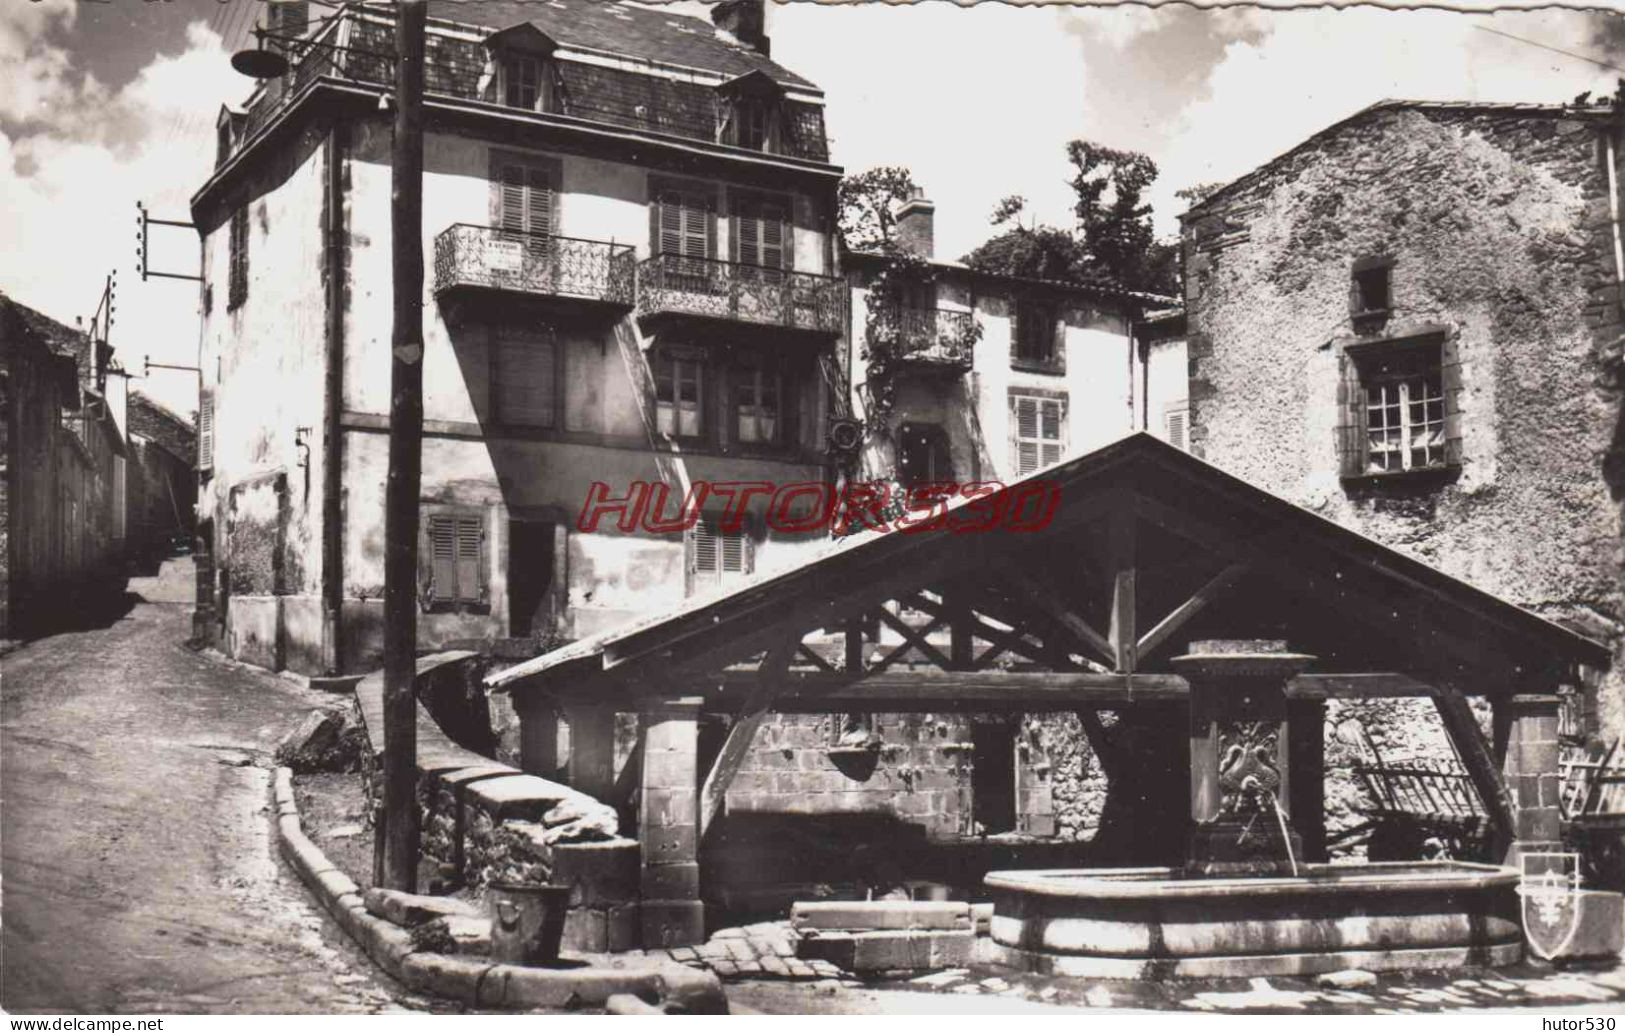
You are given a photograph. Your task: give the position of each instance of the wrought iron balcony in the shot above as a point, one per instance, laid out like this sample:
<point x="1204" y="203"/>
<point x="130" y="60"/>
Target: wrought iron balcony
<point x="931" y="338"/>
<point x="535" y="264"/>
<point x="679" y="286"/>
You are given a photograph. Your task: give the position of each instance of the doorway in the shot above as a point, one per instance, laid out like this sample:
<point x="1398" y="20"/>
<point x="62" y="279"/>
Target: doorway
<point x="531" y="570"/>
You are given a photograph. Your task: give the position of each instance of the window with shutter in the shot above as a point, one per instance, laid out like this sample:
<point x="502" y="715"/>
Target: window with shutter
<point x="1176" y="424"/>
<point x="717" y="557"/>
<point x="759" y="230"/>
<point x="525" y="379"/>
<point x="205" y="432"/>
<point x="1038" y="436"/>
<point x="237" y="269"/>
<point x="456" y="558"/>
<point x="525" y="199"/>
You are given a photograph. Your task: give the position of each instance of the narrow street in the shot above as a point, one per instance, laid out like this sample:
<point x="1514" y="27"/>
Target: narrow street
<point x="139" y="871"/>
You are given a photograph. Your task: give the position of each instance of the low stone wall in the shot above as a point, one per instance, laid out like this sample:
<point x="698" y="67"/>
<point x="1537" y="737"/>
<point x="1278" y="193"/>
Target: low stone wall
<point x="491" y="823"/>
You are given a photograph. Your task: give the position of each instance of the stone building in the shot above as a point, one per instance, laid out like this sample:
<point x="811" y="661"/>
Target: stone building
<point x="1410" y="323"/>
<point x="161" y="483"/>
<point x="989" y="376"/>
<point x="60" y="528"/>
<point x="627" y="230"/>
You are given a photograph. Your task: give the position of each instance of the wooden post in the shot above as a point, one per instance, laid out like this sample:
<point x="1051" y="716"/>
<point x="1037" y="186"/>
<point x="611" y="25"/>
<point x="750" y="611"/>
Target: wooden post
<point x="1120" y="549"/>
<point x="405" y="458"/>
<point x="591" y="767"/>
<point x="1306" y="756"/>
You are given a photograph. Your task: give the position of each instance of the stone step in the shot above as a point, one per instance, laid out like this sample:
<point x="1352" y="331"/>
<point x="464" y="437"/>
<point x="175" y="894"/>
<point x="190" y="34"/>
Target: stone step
<point x="858" y="915"/>
<point x="890" y="950"/>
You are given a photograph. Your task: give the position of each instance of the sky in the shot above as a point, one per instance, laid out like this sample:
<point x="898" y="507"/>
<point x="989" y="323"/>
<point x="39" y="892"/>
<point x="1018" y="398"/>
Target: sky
<point x="107" y="102"/>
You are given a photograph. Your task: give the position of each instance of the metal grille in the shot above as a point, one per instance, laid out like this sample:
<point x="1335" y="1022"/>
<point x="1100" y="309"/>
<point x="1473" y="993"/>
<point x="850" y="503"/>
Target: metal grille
<point x="932" y="336"/>
<point x="535" y="263"/>
<point x="745" y="293"/>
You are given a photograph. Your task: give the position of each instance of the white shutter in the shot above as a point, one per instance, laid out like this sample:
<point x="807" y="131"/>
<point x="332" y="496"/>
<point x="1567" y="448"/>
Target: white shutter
<point x="1052" y="421"/>
<point x="1177" y="424"/>
<point x="205" y="433"/>
<point x="1025" y="413"/>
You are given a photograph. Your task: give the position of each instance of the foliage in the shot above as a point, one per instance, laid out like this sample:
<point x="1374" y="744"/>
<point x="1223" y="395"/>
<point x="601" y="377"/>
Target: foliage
<point x="1193" y="196"/>
<point x="867" y="203"/>
<point x="1112" y="241"/>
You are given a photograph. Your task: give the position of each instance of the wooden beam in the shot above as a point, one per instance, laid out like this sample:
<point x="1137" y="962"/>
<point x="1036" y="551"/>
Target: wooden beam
<point x="812" y="654"/>
<point x="1048" y="601"/>
<point x="1478" y="758"/>
<point x="1374" y="685"/>
<point x="1182" y="613"/>
<point x="911" y="640"/>
<point x="768" y="685"/>
<point x="973" y="626"/>
<point x="1120" y="559"/>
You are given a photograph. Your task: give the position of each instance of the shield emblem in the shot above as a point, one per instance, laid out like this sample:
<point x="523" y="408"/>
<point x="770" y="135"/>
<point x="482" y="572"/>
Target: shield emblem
<point x="1550" y="888"/>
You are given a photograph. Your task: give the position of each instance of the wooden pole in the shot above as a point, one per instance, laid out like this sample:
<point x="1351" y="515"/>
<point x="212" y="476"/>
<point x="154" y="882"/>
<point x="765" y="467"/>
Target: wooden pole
<point x="405" y="458"/>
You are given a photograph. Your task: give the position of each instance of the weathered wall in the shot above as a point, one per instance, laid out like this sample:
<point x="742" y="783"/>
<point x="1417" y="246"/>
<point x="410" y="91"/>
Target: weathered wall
<point x="262" y="362"/>
<point x="1497" y="223"/>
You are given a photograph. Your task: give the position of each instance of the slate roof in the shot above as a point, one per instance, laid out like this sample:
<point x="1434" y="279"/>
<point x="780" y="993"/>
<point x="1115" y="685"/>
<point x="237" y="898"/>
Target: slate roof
<point x="640" y="31"/>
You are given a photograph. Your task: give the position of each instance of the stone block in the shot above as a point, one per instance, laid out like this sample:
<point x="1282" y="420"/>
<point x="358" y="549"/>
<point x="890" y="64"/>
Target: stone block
<point x="679" y="881"/>
<point x="674" y="842"/>
<point x="623" y="928"/>
<point x="409" y="909"/>
<point x="672" y="923"/>
<point x="669" y="806"/>
<point x="454" y="934"/>
<point x="890" y="950"/>
<point x="599" y="874"/>
<point x="1601" y="929"/>
<point x="586" y="930"/>
<point x="880" y="914"/>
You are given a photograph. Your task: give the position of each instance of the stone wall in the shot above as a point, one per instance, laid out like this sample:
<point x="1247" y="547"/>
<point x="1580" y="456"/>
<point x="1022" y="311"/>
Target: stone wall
<point x="1497" y="224"/>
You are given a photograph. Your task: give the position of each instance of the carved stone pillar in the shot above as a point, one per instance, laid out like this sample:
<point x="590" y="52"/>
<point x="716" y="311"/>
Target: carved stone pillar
<point x="1241" y="796"/>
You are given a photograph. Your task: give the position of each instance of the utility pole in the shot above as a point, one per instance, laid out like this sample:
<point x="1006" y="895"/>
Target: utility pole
<point x="400" y="817"/>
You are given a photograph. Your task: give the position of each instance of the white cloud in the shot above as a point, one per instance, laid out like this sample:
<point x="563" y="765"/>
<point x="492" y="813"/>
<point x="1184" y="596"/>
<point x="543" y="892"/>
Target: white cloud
<point x="74" y="159"/>
<point x="1308" y="69"/>
<point x="977" y="102"/>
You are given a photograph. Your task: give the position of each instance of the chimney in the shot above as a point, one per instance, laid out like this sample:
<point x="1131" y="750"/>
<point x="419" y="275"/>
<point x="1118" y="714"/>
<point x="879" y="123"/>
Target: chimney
<point x="916" y="225"/>
<point x="745" y="21"/>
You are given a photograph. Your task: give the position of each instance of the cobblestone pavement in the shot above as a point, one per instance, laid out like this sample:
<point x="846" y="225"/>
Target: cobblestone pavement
<point x="766" y="952"/>
<point x="135" y="848"/>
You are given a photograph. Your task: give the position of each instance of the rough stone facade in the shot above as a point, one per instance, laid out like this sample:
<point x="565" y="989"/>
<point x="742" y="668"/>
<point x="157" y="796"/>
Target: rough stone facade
<point x="1494" y="225"/>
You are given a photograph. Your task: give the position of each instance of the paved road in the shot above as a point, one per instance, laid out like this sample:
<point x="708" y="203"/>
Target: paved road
<point x="135" y="850"/>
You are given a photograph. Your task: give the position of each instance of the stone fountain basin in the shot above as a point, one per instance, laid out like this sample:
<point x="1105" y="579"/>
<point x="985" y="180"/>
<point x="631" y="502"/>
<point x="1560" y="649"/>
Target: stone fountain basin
<point x="1132" y="923"/>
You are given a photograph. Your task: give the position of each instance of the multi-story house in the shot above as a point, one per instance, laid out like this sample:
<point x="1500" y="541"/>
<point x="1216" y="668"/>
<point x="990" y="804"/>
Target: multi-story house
<point x="1410" y="323"/>
<point x="627" y="219"/>
<point x="160" y="486"/>
<point x="991" y="376"/>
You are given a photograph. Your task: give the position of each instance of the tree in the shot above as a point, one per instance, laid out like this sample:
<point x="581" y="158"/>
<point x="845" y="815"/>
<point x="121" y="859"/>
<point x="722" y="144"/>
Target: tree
<point x="1112" y="241"/>
<point x="1195" y="195"/>
<point x="868" y="203"/>
<point x="1036" y="252"/>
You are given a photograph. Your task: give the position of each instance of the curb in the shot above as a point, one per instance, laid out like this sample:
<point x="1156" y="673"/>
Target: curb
<point x="480" y="983"/>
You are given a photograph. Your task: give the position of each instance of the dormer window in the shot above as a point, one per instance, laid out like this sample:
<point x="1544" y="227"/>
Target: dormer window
<point x="519" y="68"/>
<point x="750" y="109"/>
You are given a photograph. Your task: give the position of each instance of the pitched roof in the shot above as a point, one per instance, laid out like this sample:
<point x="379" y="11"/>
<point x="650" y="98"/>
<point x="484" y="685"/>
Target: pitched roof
<point x="644" y="32"/>
<point x="1312" y="567"/>
<point x="1541" y="110"/>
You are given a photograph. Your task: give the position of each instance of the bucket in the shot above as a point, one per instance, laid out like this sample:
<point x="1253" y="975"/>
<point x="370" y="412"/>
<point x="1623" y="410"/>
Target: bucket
<point x="527" y="922"/>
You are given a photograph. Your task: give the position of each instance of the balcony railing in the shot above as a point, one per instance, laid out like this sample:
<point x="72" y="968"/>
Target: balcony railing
<point x="533" y="263"/>
<point x="708" y="287"/>
<point x="938" y="338"/>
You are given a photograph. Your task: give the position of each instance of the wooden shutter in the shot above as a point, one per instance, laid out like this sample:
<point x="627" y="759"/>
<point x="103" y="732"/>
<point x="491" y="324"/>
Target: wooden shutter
<point x="733" y="553"/>
<point x="1015" y="329"/>
<point x="1177" y="424"/>
<point x="760" y="233"/>
<point x="539" y="202"/>
<point x="683" y="224"/>
<point x="669" y="224"/>
<point x="443" y="557"/>
<point x="1024" y="416"/>
<point x="526" y="378"/>
<point x="704" y="556"/>
<point x="470" y="572"/>
<point x="205" y="432"/>
<point x="1051" y="430"/>
<point x="512" y="199"/>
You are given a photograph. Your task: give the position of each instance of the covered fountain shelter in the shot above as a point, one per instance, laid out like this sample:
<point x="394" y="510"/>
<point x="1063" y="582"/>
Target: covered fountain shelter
<point x="1149" y="551"/>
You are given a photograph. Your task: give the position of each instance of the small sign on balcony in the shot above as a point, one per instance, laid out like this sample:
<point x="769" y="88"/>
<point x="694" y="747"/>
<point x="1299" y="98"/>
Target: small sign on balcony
<point x="505" y="256"/>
